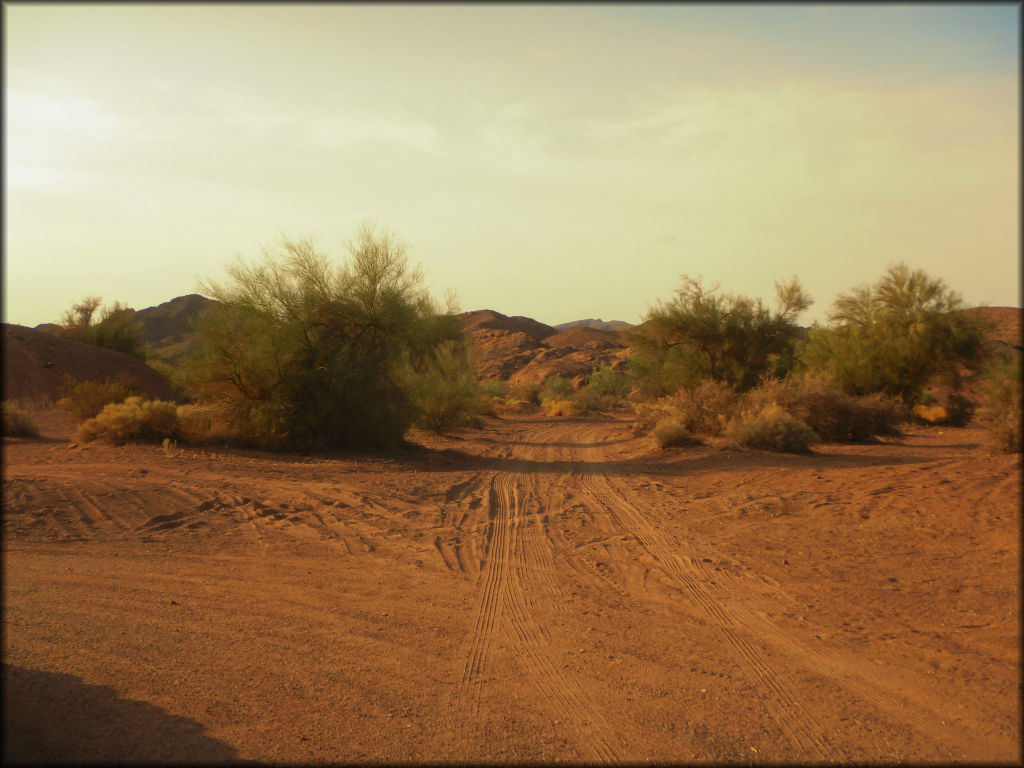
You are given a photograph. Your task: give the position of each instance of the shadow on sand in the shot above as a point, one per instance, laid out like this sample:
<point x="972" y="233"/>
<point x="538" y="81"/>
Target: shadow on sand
<point x="57" y="718"/>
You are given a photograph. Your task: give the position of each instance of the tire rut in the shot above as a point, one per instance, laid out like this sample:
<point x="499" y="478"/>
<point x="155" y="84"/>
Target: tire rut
<point x="517" y="563"/>
<point x="799" y="725"/>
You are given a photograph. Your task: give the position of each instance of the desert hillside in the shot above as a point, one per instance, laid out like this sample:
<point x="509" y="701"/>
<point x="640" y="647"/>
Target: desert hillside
<point x="36" y="363"/>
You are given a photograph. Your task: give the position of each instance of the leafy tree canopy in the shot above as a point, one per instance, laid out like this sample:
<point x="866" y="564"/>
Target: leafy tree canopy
<point x="112" y="327"/>
<point x="702" y="334"/>
<point x="896" y="335"/>
<point x="307" y="354"/>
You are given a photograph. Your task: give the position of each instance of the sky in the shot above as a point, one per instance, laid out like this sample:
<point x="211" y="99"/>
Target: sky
<point x="555" y="161"/>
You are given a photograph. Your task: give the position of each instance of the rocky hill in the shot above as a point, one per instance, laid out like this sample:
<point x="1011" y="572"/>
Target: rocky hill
<point x="1006" y="324"/>
<point x="519" y="349"/>
<point x="610" y="325"/>
<point x="36" y="364"/>
<point x="167" y="327"/>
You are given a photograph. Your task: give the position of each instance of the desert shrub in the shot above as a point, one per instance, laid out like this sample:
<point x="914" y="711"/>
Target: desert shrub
<point x="205" y="423"/>
<point x="647" y="417"/>
<point x="770" y="429"/>
<point x="605" y="381"/>
<point x="931" y="414"/>
<point x="527" y="392"/>
<point x="556" y="388"/>
<point x="491" y="392"/>
<point x="171" y="449"/>
<point x="604" y="390"/>
<point x="702" y="409"/>
<point x="895" y="336"/>
<point x="311" y="356"/>
<point x="445" y="393"/>
<point x="1000" y="413"/>
<point x="17" y="423"/>
<point x="496" y="388"/>
<point x="115" y="327"/>
<point x="819" y="402"/>
<point x="701" y="335"/>
<point x="135" y="419"/>
<point x="660" y="371"/>
<point x="587" y="400"/>
<point x="85" y="399"/>
<point x="559" y="407"/>
<point x="668" y="434"/>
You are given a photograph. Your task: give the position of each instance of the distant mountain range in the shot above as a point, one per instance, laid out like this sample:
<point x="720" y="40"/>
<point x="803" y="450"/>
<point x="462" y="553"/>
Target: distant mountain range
<point x="601" y="325"/>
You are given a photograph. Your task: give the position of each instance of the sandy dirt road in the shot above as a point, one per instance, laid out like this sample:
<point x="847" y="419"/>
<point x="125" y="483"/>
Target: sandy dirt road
<point x="536" y="590"/>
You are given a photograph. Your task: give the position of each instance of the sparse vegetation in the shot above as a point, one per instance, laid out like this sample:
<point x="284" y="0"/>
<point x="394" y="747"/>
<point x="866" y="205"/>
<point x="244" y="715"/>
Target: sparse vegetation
<point x="604" y="391"/>
<point x="556" y="388"/>
<point x="703" y="409"/>
<point x="135" y="419"/>
<point x="770" y="429"/>
<point x="491" y="393"/>
<point x="526" y="392"/>
<point x="306" y="355"/>
<point x="114" y="328"/>
<point x="85" y="399"/>
<point x="17" y="423"/>
<point x="1000" y="414"/>
<point x="559" y="407"/>
<point x="670" y="434"/>
<point x="171" y="449"/>
<point x="205" y="424"/>
<point x="819" y="402"/>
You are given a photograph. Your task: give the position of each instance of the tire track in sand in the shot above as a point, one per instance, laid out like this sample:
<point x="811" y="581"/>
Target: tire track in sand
<point x="797" y="723"/>
<point x="845" y="669"/>
<point x="502" y="607"/>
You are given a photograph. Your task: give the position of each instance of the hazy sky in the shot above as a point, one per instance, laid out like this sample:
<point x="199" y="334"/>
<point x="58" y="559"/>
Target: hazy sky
<point x="558" y="162"/>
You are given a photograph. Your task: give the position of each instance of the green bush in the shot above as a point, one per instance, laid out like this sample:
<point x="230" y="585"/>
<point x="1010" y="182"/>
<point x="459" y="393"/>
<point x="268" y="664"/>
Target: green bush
<point x="496" y="388"/>
<point x="527" y="392"/>
<point x="556" y="388"/>
<point x="445" y="393"/>
<point x="115" y="328"/>
<point x="820" y="403"/>
<point x="310" y="356"/>
<point x="136" y="419"/>
<point x="660" y="371"/>
<point x="604" y="391"/>
<point x="85" y="399"/>
<point x="605" y="381"/>
<point x="1000" y="413"/>
<point x="703" y="335"/>
<point x="771" y="429"/>
<point x="17" y="423"/>
<point x="668" y="434"/>
<point x="492" y="392"/>
<point x="895" y="336"/>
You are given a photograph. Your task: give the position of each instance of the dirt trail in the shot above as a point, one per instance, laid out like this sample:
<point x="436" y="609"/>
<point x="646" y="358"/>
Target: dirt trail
<point x="537" y="590"/>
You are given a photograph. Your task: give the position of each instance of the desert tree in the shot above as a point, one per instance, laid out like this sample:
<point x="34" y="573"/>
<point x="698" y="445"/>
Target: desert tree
<point x="896" y="335"/>
<point x="703" y="334"/>
<point x="111" y="327"/>
<point x="305" y="354"/>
